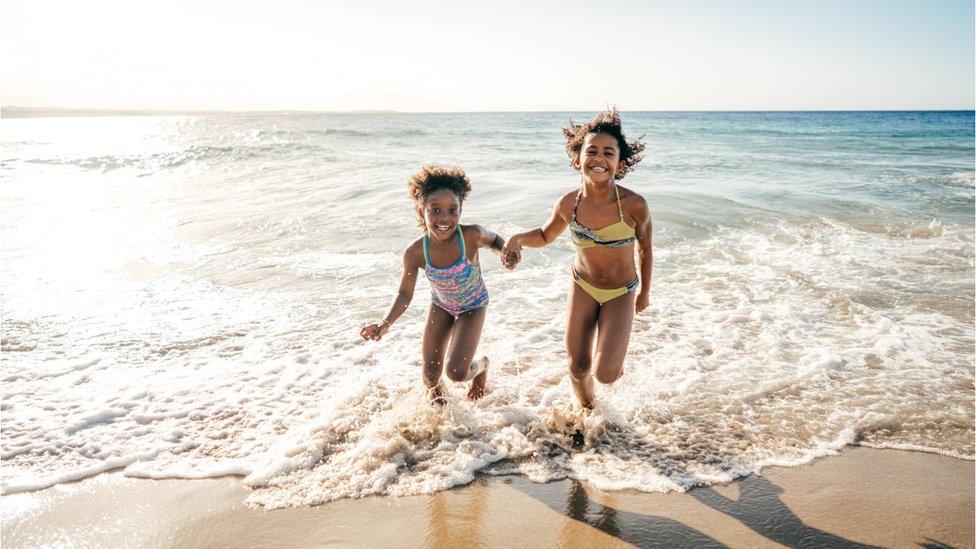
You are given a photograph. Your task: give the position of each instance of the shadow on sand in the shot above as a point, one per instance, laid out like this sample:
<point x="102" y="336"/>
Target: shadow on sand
<point x="759" y="507"/>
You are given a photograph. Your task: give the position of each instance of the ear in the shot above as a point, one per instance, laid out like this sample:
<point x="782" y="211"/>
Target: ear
<point x="621" y="165"/>
<point x="576" y="162"/>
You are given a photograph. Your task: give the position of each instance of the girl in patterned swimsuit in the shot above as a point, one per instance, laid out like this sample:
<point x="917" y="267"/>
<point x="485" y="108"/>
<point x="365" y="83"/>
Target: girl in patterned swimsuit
<point x="603" y="296"/>
<point x="448" y="254"/>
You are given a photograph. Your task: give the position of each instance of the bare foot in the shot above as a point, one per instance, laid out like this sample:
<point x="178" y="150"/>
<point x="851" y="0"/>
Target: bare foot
<point x="584" y="390"/>
<point x="437" y="395"/>
<point x="477" y="389"/>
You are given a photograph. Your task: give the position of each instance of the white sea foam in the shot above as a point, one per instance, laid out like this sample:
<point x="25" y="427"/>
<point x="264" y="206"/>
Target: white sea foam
<point x="966" y="179"/>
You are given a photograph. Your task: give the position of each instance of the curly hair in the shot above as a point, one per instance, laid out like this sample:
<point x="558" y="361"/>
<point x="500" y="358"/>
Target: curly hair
<point x="431" y="178"/>
<point x="607" y="122"/>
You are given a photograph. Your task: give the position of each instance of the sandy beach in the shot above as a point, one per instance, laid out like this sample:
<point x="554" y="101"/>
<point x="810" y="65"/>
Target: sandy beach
<point x="861" y="497"/>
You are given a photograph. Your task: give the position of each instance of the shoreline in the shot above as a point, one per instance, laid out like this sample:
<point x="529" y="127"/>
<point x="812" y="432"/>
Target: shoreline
<point x="859" y="496"/>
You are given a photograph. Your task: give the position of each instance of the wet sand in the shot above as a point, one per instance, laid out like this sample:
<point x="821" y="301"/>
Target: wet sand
<point x="858" y="498"/>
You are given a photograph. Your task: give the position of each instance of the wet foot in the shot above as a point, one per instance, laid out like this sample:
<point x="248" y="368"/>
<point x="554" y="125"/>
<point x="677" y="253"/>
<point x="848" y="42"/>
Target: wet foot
<point x="584" y="390"/>
<point x="437" y="395"/>
<point x="477" y="389"/>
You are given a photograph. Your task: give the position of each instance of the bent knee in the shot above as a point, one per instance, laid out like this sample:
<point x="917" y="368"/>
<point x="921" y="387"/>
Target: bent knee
<point x="456" y="371"/>
<point x="607" y="376"/>
<point x="579" y="368"/>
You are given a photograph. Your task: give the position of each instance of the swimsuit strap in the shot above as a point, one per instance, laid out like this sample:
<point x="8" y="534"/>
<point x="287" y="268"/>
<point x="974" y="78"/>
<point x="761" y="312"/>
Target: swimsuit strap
<point x="620" y="209"/>
<point x="427" y="246"/>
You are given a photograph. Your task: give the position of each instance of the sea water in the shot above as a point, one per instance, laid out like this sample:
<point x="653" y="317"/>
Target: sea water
<point x="182" y="298"/>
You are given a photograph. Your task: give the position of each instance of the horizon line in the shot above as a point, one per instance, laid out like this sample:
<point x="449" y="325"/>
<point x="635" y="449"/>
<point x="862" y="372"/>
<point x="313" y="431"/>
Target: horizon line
<point x="19" y="111"/>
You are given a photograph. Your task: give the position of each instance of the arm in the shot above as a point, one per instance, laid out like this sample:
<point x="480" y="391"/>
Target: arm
<point x="412" y="261"/>
<point x="537" y="238"/>
<point x="489" y="239"/>
<point x="645" y="254"/>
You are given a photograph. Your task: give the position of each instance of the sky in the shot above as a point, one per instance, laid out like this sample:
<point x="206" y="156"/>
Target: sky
<point x="432" y="55"/>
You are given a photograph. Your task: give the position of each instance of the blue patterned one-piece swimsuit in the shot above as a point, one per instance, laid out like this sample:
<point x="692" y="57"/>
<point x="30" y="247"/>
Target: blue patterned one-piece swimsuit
<point x="458" y="288"/>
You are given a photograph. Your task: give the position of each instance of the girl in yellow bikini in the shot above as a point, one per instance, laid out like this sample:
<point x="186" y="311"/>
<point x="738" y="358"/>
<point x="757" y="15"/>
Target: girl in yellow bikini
<point x="609" y="286"/>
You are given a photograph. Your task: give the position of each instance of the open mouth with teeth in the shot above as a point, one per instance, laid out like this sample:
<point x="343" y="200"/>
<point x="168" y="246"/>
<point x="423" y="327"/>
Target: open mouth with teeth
<point x="442" y="227"/>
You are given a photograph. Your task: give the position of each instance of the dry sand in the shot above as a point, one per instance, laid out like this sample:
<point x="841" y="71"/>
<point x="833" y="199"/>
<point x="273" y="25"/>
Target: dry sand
<point x="861" y="497"/>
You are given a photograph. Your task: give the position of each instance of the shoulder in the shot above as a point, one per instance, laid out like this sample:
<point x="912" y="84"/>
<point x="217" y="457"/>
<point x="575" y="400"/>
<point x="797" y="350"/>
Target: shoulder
<point x="633" y="203"/>
<point x="414" y="252"/>
<point x="474" y="236"/>
<point x="566" y="201"/>
<point x="471" y="232"/>
<point x="416" y="245"/>
<point x="475" y="233"/>
<point x="569" y="197"/>
<point x="630" y="197"/>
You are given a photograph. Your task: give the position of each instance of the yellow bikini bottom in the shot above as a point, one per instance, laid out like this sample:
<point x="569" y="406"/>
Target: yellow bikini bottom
<point x="602" y="295"/>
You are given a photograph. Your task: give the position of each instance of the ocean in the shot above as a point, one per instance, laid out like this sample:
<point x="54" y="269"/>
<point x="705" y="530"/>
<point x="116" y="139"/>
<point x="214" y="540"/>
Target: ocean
<point x="182" y="298"/>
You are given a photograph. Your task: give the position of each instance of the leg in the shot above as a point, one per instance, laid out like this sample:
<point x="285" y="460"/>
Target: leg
<point x="436" y="335"/>
<point x="581" y="321"/>
<point x="464" y="343"/>
<point x="613" y="337"/>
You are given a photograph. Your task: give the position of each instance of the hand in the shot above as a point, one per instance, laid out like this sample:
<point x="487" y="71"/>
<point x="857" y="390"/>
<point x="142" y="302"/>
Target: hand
<point x="511" y="253"/>
<point x="510" y="259"/>
<point x="642" y="302"/>
<point x="375" y="331"/>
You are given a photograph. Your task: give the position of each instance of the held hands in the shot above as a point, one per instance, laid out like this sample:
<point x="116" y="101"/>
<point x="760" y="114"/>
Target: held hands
<point x="375" y="331"/>
<point x="511" y="253"/>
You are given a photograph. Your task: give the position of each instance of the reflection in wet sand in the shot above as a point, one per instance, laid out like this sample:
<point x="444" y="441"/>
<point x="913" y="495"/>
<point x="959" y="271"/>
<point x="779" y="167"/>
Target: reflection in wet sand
<point x="455" y="517"/>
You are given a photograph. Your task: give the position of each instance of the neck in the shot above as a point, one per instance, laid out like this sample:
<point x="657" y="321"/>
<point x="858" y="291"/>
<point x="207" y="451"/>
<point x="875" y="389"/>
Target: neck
<point x="598" y="191"/>
<point x="435" y="241"/>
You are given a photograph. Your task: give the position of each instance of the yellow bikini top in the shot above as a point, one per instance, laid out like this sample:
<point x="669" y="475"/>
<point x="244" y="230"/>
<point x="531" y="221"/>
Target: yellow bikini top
<point x="616" y="235"/>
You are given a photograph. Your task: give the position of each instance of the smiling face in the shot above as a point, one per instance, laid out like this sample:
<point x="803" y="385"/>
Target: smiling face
<point x="599" y="158"/>
<point x="442" y="212"/>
